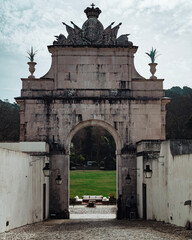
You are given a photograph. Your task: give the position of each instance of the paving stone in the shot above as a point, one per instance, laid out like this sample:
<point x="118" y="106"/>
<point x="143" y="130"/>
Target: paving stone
<point x="97" y="229"/>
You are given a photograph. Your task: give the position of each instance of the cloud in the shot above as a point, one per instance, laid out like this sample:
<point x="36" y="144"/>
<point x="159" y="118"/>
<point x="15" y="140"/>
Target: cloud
<point x="25" y="23"/>
<point x="163" y="5"/>
<point x="163" y="24"/>
<point x="10" y="89"/>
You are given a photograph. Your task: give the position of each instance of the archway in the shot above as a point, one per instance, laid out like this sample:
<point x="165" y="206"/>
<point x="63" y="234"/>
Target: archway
<point x="94" y="122"/>
<point x="103" y="125"/>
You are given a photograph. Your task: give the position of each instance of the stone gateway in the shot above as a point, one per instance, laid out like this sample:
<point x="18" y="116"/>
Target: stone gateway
<point x="92" y="82"/>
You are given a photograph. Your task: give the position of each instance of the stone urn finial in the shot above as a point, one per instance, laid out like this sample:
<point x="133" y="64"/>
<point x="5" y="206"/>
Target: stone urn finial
<point x="152" y="54"/>
<point x="31" y="69"/>
<point x="153" y="70"/>
<point x="31" y="55"/>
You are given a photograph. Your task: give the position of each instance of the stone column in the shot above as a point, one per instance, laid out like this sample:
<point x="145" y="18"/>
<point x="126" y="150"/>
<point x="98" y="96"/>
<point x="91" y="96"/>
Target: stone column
<point x="59" y="194"/>
<point x="129" y="190"/>
<point x="126" y="161"/>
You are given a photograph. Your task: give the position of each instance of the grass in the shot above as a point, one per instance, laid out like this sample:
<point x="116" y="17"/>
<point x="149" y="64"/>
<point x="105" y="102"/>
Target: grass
<point x="92" y="182"/>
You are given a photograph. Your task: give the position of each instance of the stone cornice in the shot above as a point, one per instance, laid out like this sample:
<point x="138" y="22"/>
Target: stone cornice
<point x="50" y="47"/>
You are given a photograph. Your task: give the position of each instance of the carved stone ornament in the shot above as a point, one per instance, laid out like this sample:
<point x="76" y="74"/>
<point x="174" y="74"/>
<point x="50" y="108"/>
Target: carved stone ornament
<point x="153" y="70"/>
<point x="31" y="69"/>
<point x="92" y="33"/>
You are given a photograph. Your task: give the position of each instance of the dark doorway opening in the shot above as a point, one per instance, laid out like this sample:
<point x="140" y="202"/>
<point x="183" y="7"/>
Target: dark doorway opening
<point x="44" y="200"/>
<point x="144" y="201"/>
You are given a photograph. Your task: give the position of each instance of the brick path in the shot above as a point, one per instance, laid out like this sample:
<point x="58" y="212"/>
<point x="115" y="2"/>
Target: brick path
<point x="94" y="229"/>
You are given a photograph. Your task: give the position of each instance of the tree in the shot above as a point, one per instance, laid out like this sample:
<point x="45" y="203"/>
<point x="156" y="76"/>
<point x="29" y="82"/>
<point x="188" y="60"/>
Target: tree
<point x="95" y="144"/>
<point x="179" y="112"/>
<point x="9" y="119"/>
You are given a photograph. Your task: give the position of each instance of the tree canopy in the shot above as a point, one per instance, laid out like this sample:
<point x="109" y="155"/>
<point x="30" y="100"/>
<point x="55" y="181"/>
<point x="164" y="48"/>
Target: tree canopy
<point x="94" y="145"/>
<point x="9" y="121"/>
<point x="179" y="113"/>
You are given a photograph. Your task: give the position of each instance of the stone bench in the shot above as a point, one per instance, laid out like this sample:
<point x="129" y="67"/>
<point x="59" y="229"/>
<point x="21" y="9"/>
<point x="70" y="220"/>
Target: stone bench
<point x="87" y="198"/>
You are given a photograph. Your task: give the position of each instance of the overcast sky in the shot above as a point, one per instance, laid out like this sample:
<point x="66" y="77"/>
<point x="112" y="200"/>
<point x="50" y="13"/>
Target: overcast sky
<point x="162" y="24"/>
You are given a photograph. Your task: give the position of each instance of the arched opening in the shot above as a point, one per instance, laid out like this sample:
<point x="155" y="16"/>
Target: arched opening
<point x="93" y="147"/>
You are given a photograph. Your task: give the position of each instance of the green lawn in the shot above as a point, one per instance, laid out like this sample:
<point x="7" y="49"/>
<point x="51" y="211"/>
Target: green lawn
<point x="92" y="182"/>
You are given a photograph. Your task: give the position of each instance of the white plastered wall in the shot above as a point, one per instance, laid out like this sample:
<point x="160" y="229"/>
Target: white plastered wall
<point x="21" y="188"/>
<point x="169" y="187"/>
<point x="180" y="189"/>
<point x="140" y="186"/>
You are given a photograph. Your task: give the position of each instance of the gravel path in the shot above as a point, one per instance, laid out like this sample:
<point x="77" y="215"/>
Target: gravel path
<point x="97" y="229"/>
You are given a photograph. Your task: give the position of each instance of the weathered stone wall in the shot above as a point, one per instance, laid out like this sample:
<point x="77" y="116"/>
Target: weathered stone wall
<point x="92" y="68"/>
<point x="52" y="120"/>
<point x="86" y="84"/>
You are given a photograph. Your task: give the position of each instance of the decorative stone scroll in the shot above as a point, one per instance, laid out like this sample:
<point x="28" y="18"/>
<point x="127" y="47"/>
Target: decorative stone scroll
<point x="93" y="33"/>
